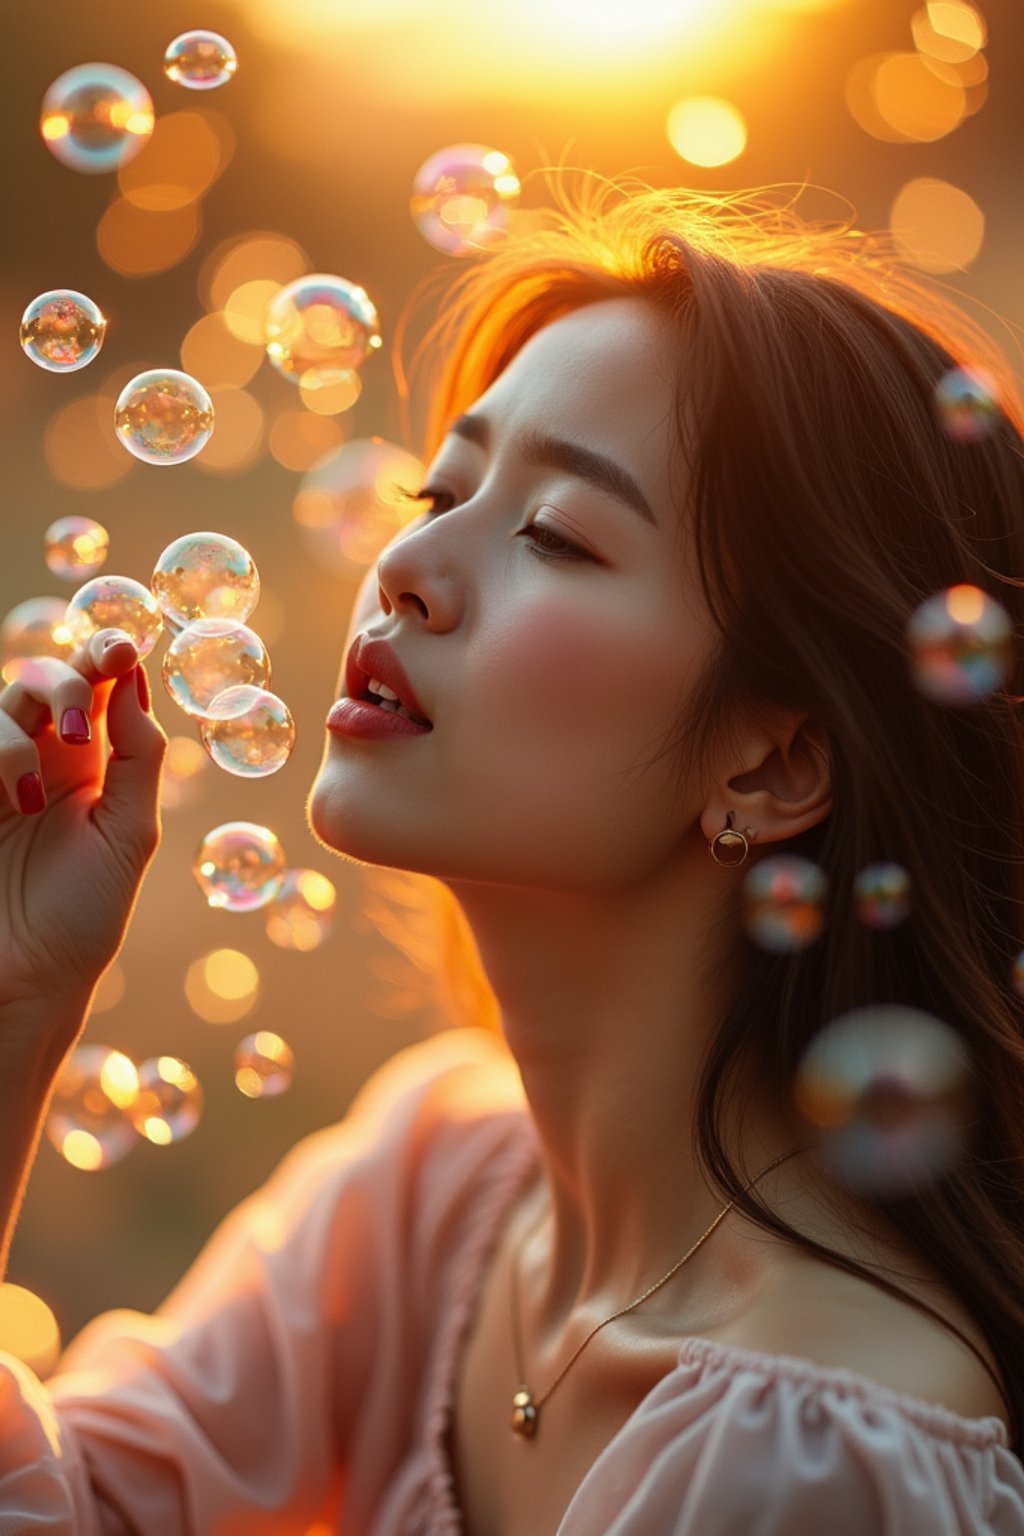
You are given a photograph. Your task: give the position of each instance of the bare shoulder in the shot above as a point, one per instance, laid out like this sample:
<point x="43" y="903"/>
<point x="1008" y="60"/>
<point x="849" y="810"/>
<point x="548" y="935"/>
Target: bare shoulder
<point x="814" y="1311"/>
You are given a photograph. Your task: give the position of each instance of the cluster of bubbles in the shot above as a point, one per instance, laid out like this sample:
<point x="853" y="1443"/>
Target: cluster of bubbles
<point x="103" y="1103"/>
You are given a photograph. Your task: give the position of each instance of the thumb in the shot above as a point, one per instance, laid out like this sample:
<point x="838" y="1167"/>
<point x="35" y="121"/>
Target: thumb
<point x="129" y="804"/>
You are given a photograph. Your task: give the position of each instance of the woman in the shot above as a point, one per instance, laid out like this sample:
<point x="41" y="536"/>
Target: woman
<point x="688" y="484"/>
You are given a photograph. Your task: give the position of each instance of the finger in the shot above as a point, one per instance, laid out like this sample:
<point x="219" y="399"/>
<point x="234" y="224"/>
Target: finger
<point x="128" y="806"/>
<point x="111" y="652"/>
<point x="19" y="768"/>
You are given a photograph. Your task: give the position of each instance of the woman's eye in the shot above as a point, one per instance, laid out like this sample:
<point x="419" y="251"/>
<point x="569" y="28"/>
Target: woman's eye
<point x="552" y="545"/>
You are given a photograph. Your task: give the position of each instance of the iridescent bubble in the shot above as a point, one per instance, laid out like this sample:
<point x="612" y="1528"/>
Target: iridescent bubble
<point x="888" y="1089"/>
<point x="1017" y="976"/>
<point x="263" y="1065"/>
<point x="968" y="404"/>
<point x="169" y="1102"/>
<point x="115" y="602"/>
<point x="355" y="500"/>
<point x="319" y="328"/>
<point x="206" y="576"/>
<point x="163" y="416"/>
<point x="882" y="895"/>
<point x="96" y="117"/>
<point x="782" y="903"/>
<point x="35" y="627"/>
<point x="200" y="60"/>
<point x="88" y="1118"/>
<point x="62" y="330"/>
<point x="461" y="198"/>
<point x="961" y="646"/>
<point x="210" y="656"/>
<point x="239" y="866"/>
<point x="75" y="547"/>
<point x="301" y="914"/>
<point x="248" y="731"/>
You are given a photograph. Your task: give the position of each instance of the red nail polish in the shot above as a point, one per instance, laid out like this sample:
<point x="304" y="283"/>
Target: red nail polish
<point x="31" y="799"/>
<point x="142" y="683"/>
<point x="75" y="728"/>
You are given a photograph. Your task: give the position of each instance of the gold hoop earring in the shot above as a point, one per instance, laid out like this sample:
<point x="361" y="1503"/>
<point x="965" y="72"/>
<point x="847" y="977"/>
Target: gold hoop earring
<point x="730" y="847"/>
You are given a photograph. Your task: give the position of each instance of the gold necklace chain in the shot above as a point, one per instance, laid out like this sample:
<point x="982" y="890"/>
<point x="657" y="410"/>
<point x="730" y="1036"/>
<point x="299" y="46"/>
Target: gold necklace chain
<point x="525" y="1407"/>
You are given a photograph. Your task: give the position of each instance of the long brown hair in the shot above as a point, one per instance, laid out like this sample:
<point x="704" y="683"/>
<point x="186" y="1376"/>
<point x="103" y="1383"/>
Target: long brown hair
<point x="828" y="502"/>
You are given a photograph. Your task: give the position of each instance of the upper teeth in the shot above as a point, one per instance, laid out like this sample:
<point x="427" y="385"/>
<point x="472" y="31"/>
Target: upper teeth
<point x="376" y="686"/>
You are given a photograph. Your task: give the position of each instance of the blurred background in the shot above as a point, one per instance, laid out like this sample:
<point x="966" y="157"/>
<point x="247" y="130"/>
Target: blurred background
<point x="906" y="114"/>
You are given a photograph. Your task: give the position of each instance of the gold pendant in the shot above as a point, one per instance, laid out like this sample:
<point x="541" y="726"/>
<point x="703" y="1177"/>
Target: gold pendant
<point x="524" y="1414"/>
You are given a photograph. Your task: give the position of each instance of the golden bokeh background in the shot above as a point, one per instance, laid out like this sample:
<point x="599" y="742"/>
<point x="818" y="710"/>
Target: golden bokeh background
<point x="909" y="112"/>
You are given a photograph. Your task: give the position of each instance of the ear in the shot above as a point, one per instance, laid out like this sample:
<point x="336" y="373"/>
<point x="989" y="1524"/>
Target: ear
<point x="783" y="787"/>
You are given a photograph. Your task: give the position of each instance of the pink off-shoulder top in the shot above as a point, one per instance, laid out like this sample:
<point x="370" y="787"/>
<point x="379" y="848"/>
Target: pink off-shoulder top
<point x="301" y="1375"/>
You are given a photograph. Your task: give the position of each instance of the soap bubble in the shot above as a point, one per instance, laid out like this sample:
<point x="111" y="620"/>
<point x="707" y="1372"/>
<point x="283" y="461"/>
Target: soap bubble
<point x="355" y="500"/>
<point x="200" y="60"/>
<point x="210" y="656"/>
<point x="887" y="1088"/>
<point x="782" y="903"/>
<point x="248" y="731"/>
<point x="88" y="1121"/>
<point x="320" y="328"/>
<point x="961" y="646"/>
<point x="169" y="1102"/>
<point x="115" y="602"/>
<point x="62" y="330"/>
<point x="263" y="1065"/>
<point x="301" y="914"/>
<point x="163" y="416"/>
<point x="206" y="576"/>
<point x="461" y="198"/>
<point x="968" y="404"/>
<point x="36" y="627"/>
<point x="882" y="895"/>
<point x="239" y="866"/>
<point x="96" y="117"/>
<point x="75" y="547"/>
<point x="1017" y="976"/>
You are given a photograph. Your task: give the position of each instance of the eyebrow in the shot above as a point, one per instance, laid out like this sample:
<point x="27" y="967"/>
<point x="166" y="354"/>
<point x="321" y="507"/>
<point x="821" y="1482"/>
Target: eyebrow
<point x="557" y="453"/>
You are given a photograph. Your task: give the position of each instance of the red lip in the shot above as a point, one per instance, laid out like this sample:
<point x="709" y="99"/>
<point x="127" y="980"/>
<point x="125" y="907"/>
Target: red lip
<point x="352" y="717"/>
<point x="368" y="658"/>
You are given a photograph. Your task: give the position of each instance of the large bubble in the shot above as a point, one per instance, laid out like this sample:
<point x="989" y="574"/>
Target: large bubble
<point x="88" y="1117"/>
<point x="783" y="900"/>
<point x="115" y="602"/>
<point x="62" y="330"/>
<point x="164" y="416"/>
<point x="355" y="500"/>
<point x="209" y="656"/>
<point x="961" y="646"/>
<point x="239" y="866"/>
<point x="888" y="1089"/>
<point x="96" y="117"/>
<point x="206" y="576"/>
<point x="461" y="198"/>
<point x="319" y="328"/>
<point x="248" y="731"/>
<point x="200" y="61"/>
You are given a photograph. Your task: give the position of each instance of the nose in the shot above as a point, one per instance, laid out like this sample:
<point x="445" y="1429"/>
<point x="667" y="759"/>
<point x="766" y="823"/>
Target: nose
<point x="415" y="575"/>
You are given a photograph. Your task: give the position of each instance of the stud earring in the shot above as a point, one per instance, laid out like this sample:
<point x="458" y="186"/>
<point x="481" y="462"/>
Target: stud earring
<point x="729" y="846"/>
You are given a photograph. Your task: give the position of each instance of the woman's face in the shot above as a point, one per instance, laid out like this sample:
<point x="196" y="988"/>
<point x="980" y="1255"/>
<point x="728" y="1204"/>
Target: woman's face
<point x="546" y="615"/>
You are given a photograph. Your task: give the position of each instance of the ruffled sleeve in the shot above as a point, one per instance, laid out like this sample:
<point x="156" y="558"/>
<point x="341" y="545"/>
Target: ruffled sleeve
<point x="739" y="1443"/>
<point x="279" y="1379"/>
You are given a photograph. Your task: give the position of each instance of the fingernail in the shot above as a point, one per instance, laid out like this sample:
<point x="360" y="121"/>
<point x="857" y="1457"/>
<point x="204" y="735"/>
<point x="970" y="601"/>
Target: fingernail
<point x="142" y="683"/>
<point x="116" y="637"/>
<point x="75" y="728"/>
<point x="31" y="799"/>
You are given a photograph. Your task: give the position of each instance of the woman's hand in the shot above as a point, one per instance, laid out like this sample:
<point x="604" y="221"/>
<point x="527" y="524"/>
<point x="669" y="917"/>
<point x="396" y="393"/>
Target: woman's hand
<point x="76" y="833"/>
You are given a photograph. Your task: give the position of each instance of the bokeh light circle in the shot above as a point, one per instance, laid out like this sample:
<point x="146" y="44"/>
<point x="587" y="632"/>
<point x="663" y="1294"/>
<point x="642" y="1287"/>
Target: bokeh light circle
<point x="301" y="914"/>
<point x="88" y="1116"/>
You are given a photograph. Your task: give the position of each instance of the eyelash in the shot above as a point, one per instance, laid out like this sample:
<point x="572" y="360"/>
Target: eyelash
<point x="567" y="551"/>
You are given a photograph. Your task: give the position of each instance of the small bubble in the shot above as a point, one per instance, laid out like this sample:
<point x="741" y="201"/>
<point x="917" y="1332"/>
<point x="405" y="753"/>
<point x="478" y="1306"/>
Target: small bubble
<point x="163" y="416"/>
<point x="75" y="547"/>
<point x="169" y="1102"/>
<point x="88" y="1121"/>
<point x="62" y="330"/>
<point x="201" y="61"/>
<point x="968" y="404"/>
<point x="206" y="576"/>
<point x="248" y="731"/>
<point x="96" y="117"/>
<point x="239" y="866"/>
<point x="34" y="628"/>
<point x="882" y="895"/>
<point x="461" y="198"/>
<point x="115" y="602"/>
<point x="1017" y="975"/>
<point x="209" y="656"/>
<point x="301" y="914"/>
<point x="319" y="328"/>
<point x="961" y="646"/>
<point x="263" y="1065"/>
<point x="782" y="903"/>
<point x="352" y="503"/>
